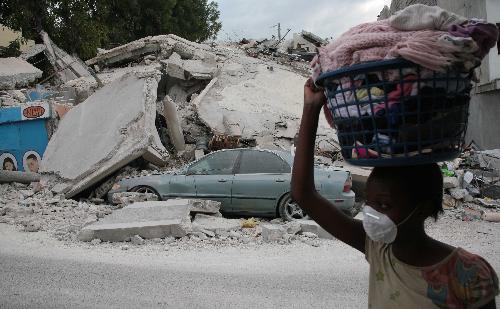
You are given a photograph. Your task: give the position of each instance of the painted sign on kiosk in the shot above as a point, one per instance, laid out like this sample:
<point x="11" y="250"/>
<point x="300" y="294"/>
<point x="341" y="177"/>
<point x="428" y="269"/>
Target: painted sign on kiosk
<point x="23" y="136"/>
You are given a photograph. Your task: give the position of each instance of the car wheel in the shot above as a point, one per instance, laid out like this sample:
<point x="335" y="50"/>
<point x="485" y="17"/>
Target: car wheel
<point x="289" y="210"/>
<point x="144" y="189"/>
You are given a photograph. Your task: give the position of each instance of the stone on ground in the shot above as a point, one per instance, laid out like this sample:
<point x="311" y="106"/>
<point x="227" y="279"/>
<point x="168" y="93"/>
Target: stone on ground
<point x="450" y="182"/>
<point x="313" y="227"/>
<point x="137" y="240"/>
<point x="293" y="227"/>
<point x="272" y="233"/>
<point x="148" y="220"/>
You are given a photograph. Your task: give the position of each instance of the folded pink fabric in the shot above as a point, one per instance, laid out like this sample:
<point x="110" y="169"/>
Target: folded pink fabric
<point x="377" y="41"/>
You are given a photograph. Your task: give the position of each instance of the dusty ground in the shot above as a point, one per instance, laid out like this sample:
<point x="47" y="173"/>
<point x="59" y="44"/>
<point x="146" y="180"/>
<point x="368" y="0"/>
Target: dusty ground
<point x="39" y="271"/>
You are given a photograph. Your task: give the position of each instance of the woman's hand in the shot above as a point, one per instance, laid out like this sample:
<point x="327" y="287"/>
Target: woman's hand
<point x="313" y="96"/>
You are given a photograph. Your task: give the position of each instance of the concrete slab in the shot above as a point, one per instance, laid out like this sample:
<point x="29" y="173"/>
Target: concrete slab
<point x="17" y="72"/>
<point x="66" y="66"/>
<point x="216" y="224"/>
<point x="113" y="127"/>
<point x="188" y="69"/>
<point x="164" y="45"/>
<point x="148" y="220"/>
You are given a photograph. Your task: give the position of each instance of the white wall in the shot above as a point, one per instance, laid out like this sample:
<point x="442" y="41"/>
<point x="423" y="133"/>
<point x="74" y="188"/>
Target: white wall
<point x="7" y="36"/>
<point x="493" y="16"/>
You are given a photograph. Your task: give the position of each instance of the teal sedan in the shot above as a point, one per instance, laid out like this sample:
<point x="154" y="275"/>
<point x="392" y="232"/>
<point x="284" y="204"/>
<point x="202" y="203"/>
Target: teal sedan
<point x="249" y="182"/>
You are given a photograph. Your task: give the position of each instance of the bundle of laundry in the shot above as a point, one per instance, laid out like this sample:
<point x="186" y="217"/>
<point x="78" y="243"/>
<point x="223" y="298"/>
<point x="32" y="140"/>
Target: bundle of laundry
<point x="426" y="35"/>
<point x="416" y="108"/>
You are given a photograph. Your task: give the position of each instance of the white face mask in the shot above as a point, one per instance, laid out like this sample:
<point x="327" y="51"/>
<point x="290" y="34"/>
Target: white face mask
<point x="379" y="227"/>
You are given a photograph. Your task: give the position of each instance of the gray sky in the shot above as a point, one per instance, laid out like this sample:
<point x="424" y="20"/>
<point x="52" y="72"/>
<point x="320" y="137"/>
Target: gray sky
<point x="326" y="18"/>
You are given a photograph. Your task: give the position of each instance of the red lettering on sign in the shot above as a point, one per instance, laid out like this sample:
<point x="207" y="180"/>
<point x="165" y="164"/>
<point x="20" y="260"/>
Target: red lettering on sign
<point x="33" y="112"/>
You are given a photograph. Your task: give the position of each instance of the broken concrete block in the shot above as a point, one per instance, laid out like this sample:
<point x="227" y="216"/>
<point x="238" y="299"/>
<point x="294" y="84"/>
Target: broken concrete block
<point x="491" y="216"/>
<point x="95" y="241"/>
<point x="33" y="226"/>
<point x="313" y="227"/>
<point x="459" y="194"/>
<point x="137" y="240"/>
<point x="113" y="127"/>
<point x="449" y="201"/>
<point x="205" y="206"/>
<point x="215" y="224"/>
<point x="310" y="235"/>
<point x="148" y="220"/>
<point x="450" y="182"/>
<point x="127" y="198"/>
<point x="16" y="72"/>
<point x="188" y="69"/>
<point x="272" y="233"/>
<point x="293" y="227"/>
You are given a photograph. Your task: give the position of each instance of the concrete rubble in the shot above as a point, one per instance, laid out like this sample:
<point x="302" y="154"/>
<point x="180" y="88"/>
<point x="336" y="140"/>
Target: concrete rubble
<point x="127" y="198"/>
<point x="164" y="99"/>
<point x="16" y="73"/>
<point x="472" y="186"/>
<point x="154" y="104"/>
<point x="35" y="208"/>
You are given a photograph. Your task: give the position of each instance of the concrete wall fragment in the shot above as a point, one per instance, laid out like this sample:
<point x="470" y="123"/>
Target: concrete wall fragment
<point x="16" y="72"/>
<point x="107" y="131"/>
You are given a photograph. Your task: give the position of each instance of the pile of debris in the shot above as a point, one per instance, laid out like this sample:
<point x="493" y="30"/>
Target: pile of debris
<point x="139" y="217"/>
<point x="160" y="99"/>
<point x="195" y="221"/>
<point x="295" y="53"/>
<point x="142" y="108"/>
<point x="472" y="186"/>
<point x="38" y="209"/>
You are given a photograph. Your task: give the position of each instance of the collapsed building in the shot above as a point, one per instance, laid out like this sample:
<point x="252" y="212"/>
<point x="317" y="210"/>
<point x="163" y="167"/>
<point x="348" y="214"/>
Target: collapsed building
<point x="160" y="99"/>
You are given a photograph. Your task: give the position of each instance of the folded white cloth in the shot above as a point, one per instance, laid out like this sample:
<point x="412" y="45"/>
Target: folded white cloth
<point x="420" y="17"/>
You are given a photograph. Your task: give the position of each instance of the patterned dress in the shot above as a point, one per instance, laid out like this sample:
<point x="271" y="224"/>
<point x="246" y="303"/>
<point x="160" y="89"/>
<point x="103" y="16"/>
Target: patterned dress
<point x="461" y="280"/>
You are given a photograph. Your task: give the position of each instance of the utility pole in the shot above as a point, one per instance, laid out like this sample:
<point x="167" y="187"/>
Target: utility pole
<point x="279" y="31"/>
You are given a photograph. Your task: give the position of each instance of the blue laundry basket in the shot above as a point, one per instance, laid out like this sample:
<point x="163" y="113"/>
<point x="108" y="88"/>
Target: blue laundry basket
<point x="395" y="112"/>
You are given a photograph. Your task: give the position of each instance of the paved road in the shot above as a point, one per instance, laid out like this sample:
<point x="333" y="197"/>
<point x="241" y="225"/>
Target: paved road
<point x="37" y="271"/>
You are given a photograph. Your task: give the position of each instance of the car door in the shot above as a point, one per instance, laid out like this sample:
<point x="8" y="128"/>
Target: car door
<point x="261" y="178"/>
<point x="182" y="186"/>
<point x="213" y="177"/>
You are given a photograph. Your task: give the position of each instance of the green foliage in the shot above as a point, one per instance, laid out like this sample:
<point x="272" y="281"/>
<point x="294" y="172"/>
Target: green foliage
<point x="80" y="26"/>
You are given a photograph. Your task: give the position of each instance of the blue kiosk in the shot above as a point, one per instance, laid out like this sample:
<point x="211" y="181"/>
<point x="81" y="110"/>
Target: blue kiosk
<point x="23" y="136"/>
